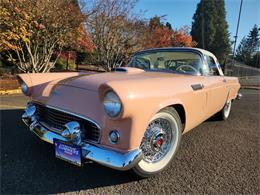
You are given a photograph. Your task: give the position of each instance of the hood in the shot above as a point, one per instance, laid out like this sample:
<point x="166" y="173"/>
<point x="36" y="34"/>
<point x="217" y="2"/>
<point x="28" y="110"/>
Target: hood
<point x="93" y="81"/>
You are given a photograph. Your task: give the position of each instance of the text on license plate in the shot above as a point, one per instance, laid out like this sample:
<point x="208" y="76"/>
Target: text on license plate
<point x="68" y="152"/>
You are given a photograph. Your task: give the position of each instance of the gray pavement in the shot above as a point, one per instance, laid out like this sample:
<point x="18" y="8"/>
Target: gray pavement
<point x="214" y="158"/>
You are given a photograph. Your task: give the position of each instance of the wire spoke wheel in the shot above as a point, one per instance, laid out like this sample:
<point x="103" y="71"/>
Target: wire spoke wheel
<point x="157" y="140"/>
<point x="160" y="142"/>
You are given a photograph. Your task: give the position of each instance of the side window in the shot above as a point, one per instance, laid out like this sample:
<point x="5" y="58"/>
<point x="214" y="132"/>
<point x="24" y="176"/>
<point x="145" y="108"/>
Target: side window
<point x="213" y="68"/>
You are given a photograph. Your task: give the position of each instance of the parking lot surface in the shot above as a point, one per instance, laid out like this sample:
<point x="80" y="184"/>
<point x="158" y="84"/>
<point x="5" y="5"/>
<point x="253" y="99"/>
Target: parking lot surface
<point x="219" y="157"/>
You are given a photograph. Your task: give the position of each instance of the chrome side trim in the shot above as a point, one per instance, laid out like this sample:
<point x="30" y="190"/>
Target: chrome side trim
<point x="106" y="157"/>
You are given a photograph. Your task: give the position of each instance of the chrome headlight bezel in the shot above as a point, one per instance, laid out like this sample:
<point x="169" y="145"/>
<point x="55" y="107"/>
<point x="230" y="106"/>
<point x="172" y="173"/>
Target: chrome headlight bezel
<point x="112" y="104"/>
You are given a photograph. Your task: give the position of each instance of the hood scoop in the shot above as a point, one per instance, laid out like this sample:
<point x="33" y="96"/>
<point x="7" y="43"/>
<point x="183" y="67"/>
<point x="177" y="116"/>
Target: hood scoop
<point x="128" y="70"/>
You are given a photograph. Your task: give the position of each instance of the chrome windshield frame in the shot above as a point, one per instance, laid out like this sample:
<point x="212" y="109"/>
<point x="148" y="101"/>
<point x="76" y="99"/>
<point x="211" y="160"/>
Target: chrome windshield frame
<point x="201" y="55"/>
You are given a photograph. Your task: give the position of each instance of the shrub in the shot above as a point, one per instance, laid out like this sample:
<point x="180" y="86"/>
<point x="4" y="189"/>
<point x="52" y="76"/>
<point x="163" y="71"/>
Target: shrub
<point x="61" y="65"/>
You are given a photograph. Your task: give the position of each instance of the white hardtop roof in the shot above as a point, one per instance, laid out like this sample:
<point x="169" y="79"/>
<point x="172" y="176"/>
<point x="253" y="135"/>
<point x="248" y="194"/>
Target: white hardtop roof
<point x="203" y="51"/>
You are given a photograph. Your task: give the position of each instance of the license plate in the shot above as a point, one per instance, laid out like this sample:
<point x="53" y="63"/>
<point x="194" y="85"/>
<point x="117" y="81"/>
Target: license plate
<point x="68" y="152"/>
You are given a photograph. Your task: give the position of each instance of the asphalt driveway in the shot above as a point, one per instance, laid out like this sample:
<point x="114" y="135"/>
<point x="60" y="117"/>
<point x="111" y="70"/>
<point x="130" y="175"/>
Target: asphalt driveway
<point x="216" y="157"/>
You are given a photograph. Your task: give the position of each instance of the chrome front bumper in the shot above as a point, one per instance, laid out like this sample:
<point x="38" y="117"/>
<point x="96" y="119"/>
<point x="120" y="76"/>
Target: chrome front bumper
<point x="104" y="156"/>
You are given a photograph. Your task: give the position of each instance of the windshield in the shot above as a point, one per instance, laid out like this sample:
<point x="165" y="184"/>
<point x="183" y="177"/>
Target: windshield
<point x="177" y="61"/>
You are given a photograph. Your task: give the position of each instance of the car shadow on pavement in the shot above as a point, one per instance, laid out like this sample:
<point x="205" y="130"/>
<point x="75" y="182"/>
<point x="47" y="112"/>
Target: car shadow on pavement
<point x="29" y="165"/>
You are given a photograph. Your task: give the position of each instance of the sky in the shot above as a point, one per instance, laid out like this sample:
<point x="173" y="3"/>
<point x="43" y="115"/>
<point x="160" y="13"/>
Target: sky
<point x="180" y="12"/>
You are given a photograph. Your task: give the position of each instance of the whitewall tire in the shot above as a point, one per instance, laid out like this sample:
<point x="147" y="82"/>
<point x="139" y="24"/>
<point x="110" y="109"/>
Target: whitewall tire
<point x="160" y="142"/>
<point x="225" y="112"/>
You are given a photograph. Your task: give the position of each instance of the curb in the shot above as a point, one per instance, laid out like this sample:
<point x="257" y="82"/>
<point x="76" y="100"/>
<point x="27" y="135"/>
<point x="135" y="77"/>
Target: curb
<point x="9" y="92"/>
<point x="250" y="87"/>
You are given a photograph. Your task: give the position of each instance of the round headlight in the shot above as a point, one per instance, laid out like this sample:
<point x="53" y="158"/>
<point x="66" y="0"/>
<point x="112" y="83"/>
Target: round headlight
<point x="112" y="104"/>
<point x="24" y="88"/>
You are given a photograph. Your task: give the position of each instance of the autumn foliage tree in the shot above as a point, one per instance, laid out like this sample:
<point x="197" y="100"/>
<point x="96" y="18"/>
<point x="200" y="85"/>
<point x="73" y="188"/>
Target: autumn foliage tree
<point x="117" y="33"/>
<point x="114" y="31"/>
<point x="159" y="35"/>
<point x="31" y="31"/>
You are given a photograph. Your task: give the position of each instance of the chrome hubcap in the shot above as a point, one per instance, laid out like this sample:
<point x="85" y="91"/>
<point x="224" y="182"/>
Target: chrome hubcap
<point x="157" y="140"/>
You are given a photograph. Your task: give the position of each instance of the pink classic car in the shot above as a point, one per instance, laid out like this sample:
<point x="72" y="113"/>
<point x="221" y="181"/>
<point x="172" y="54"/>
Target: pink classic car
<point x="133" y="117"/>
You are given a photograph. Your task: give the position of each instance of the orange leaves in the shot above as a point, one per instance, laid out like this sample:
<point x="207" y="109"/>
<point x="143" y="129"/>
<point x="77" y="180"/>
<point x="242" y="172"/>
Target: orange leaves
<point x="14" y="26"/>
<point x="158" y="37"/>
<point x="181" y="39"/>
<point x="162" y="36"/>
<point x="41" y="26"/>
<point x="57" y="24"/>
<point x="84" y="40"/>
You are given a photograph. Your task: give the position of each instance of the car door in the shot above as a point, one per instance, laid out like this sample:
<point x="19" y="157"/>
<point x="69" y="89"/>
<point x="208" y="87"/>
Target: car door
<point x="215" y="86"/>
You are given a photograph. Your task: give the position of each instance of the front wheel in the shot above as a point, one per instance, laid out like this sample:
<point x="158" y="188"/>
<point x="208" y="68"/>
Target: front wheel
<point x="160" y="142"/>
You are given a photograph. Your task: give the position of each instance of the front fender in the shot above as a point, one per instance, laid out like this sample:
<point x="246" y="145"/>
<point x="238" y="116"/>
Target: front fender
<point x="168" y="103"/>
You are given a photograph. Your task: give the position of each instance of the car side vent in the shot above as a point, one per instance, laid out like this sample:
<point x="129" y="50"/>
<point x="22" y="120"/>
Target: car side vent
<point x="120" y="69"/>
<point x="128" y="70"/>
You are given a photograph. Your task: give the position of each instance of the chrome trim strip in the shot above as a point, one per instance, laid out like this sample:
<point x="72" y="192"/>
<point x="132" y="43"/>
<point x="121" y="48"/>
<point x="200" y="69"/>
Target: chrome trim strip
<point x="104" y="156"/>
<point x="55" y="130"/>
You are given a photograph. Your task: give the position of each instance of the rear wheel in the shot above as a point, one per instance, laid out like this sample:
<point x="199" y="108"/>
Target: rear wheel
<point x="160" y="142"/>
<point x="225" y="112"/>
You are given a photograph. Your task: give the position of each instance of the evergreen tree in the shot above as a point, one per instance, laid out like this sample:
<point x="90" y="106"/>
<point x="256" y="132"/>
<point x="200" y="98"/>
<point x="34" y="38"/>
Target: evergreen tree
<point x="248" y="46"/>
<point x="155" y="22"/>
<point x="222" y="45"/>
<point x="241" y="50"/>
<point x="255" y="60"/>
<point x="253" y="39"/>
<point x="210" y="28"/>
<point x="168" y="25"/>
<point x="203" y="26"/>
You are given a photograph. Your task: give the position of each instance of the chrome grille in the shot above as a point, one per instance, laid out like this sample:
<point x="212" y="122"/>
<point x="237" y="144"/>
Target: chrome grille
<point x="56" y="119"/>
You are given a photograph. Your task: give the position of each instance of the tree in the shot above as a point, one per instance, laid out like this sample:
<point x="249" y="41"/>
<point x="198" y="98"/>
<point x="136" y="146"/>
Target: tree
<point x="32" y="30"/>
<point x="241" y="52"/>
<point x="159" y="35"/>
<point x="203" y="26"/>
<point x="255" y="61"/>
<point x="248" y="47"/>
<point x="210" y="29"/>
<point x="222" y="46"/>
<point x="168" y="25"/>
<point x="115" y="32"/>
<point x="182" y="38"/>
<point x="155" y="22"/>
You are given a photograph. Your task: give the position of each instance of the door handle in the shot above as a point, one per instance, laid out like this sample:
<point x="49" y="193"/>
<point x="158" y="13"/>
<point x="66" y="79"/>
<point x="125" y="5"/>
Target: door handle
<point x="196" y="87"/>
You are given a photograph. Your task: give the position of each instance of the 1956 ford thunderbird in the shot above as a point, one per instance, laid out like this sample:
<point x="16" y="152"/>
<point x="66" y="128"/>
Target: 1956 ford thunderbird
<point x="133" y="117"/>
